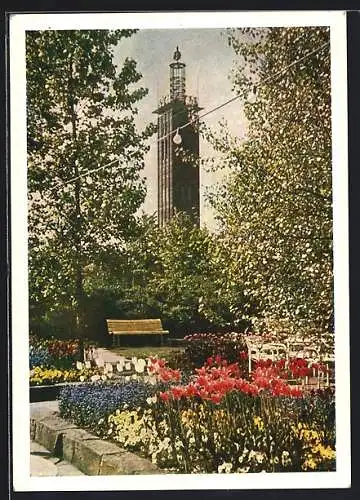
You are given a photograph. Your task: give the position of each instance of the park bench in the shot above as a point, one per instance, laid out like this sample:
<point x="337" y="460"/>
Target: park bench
<point x="129" y="327"/>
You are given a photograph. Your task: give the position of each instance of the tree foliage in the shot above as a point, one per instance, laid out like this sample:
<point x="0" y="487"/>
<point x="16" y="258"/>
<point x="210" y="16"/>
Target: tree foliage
<point x="85" y="156"/>
<point x="173" y="273"/>
<point x="275" y="210"/>
<point x="183" y="270"/>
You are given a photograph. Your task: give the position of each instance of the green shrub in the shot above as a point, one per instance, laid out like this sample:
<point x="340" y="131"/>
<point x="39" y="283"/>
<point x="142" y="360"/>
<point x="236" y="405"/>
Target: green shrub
<point x="201" y="346"/>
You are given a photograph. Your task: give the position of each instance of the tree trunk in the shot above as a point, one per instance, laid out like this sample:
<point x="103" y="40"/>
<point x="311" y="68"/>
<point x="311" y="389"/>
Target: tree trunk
<point x="79" y="279"/>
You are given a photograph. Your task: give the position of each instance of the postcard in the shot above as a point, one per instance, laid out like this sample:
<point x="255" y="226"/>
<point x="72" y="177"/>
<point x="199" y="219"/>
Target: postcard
<point x="179" y="214"/>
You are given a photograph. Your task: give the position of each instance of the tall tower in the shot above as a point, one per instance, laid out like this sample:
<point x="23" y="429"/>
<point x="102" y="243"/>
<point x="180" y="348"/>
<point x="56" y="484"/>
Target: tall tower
<point x="178" y="169"/>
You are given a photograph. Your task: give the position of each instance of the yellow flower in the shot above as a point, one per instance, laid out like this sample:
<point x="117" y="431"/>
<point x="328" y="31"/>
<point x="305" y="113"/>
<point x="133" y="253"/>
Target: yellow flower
<point x="310" y="463"/>
<point x="259" y="423"/>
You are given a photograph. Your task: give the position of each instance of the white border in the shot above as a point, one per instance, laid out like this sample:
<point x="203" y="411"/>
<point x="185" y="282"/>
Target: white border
<point x="19" y="23"/>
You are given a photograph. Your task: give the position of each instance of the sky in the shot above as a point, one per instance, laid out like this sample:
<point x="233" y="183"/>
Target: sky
<point x="208" y="60"/>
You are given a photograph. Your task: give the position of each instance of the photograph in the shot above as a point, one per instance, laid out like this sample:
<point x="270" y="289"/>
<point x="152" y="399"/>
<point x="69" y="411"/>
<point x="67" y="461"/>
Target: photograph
<point x="179" y="251"/>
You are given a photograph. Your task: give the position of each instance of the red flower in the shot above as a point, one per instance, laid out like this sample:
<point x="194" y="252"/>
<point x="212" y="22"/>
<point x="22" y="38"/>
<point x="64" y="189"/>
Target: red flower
<point x="190" y="390"/>
<point x="164" y="396"/>
<point x="202" y="380"/>
<point x="218" y="359"/>
<point x="320" y="367"/>
<point x="280" y="388"/>
<point x="210" y="361"/>
<point x="295" y="392"/>
<point x="233" y="369"/>
<point x="280" y="364"/>
<point x="177" y="392"/>
<point x="201" y="371"/>
<point x="216" y="398"/>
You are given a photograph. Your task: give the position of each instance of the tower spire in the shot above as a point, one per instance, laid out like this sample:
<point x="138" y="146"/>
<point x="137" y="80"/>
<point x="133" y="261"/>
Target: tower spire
<point x="177" y="77"/>
<point x="177" y="54"/>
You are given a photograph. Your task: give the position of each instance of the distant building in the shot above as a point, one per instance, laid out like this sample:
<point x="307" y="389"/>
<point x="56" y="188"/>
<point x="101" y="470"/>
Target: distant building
<point x="178" y="166"/>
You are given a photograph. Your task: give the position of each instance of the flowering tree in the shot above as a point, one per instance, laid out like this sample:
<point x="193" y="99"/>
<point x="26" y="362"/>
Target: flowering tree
<point x="275" y="210"/>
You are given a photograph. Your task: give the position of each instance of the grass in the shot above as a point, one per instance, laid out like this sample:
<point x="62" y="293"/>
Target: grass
<point x="146" y="351"/>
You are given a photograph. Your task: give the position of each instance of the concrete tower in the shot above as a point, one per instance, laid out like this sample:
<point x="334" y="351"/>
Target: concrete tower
<point x="178" y="149"/>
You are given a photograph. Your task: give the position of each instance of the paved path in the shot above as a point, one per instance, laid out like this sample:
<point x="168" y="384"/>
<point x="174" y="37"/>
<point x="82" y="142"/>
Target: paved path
<point x="44" y="407"/>
<point x="107" y="356"/>
<point x="42" y="462"/>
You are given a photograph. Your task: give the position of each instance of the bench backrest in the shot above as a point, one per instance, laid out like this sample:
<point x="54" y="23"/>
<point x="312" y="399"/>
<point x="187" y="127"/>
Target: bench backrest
<point x="133" y="325"/>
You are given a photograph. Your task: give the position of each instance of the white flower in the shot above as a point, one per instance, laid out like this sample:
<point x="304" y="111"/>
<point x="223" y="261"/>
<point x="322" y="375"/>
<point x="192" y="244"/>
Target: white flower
<point x="259" y="458"/>
<point x="79" y="365"/>
<point x="225" y="467"/>
<point x="82" y="378"/>
<point x="151" y="400"/>
<point x="94" y="378"/>
<point x="285" y="458"/>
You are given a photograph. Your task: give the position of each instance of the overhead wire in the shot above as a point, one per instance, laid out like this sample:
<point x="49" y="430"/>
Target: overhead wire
<point x="198" y="118"/>
<point x="69" y="181"/>
<point x="255" y="85"/>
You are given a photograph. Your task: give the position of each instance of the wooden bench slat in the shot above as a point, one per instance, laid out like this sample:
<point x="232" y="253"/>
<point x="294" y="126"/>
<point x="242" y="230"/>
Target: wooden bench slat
<point x="131" y="326"/>
<point x="147" y="332"/>
<point x="119" y="327"/>
<point x="135" y="326"/>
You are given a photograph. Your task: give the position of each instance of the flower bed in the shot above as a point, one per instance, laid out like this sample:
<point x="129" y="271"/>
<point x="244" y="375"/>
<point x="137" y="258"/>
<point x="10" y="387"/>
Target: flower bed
<point x="54" y="361"/>
<point x="90" y="405"/>
<point x="54" y="353"/>
<point x="51" y="376"/>
<point x="218" y="420"/>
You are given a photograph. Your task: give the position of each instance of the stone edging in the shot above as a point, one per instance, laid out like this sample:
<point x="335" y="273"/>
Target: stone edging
<point x="87" y="452"/>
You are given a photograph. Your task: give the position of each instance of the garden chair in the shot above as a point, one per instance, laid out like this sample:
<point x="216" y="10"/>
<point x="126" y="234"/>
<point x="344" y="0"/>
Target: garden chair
<point x="273" y="351"/>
